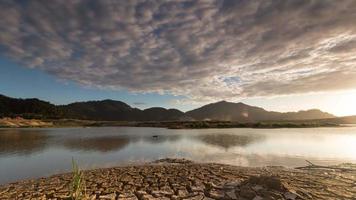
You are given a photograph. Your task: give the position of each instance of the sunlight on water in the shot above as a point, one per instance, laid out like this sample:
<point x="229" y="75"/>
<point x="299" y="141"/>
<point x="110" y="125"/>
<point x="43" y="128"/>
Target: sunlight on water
<point x="27" y="153"/>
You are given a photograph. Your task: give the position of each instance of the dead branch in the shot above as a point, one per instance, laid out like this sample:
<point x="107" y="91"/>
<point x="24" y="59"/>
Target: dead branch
<point x="314" y="166"/>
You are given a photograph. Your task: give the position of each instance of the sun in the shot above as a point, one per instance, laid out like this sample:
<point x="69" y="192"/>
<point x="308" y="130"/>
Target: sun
<point x="344" y="104"/>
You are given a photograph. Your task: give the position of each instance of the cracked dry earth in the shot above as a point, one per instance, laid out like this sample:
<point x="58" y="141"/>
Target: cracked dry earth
<point x="182" y="179"/>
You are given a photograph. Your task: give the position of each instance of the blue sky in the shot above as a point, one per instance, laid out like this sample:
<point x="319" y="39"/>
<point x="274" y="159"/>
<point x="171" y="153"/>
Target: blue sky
<point x="280" y="55"/>
<point x="21" y="82"/>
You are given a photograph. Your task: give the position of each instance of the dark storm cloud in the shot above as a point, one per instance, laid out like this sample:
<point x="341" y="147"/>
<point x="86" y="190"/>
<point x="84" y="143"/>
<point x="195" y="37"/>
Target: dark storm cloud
<point x="201" y="49"/>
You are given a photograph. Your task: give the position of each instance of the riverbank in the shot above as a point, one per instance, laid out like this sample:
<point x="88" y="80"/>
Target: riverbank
<point x="58" y="123"/>
<point x="182" y="179"/>
<point x="19" y="122"/>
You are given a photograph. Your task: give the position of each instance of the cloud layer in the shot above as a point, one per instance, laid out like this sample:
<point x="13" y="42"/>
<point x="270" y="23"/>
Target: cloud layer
<point x="205" y="50"/>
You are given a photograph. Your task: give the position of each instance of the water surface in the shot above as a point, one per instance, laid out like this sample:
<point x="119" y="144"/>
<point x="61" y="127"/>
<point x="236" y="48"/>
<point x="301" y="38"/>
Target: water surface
<point x="30" y="153"/>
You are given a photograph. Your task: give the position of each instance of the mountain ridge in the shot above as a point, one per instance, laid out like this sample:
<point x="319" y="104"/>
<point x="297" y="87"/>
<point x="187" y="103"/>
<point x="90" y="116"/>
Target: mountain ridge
<point x="230" y="111"/>
<point x="113" y="110"/>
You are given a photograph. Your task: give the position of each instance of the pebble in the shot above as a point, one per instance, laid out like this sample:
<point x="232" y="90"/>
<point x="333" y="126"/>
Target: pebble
<point x="257" y="198"/>
<point x="108" y="196"/>
<point x="231" y="194"/>
<point x="290" y="196"/>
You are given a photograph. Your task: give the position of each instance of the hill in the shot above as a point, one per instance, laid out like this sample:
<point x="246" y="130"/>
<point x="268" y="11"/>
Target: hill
<point x="162" y="114"/>
<point x="107" y="110"/>
<point x="339" y="120"/>
<point x="229" y="111"/>
<point x="28" y="108"/>
<point x="111" y="110"/>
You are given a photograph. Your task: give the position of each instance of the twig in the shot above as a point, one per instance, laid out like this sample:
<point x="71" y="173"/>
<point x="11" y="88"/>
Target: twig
<point x="314" y="166"/>
<point x="310" y="163"/>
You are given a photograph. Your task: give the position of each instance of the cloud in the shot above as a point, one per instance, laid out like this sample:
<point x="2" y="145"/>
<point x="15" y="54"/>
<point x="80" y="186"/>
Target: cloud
<point x="202" y="49"/>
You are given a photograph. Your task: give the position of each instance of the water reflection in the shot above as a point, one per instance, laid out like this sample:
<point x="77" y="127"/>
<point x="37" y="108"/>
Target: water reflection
<point x="28" y="153"/>
<point x="227" y="141"/>
<point x="16" y="141"/>
<point x="101" y="144"/>
<point x="156" y="139"/>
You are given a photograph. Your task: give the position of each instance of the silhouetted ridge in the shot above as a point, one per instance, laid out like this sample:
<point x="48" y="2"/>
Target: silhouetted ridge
<point x="229" y="111"/>
<point x="162" y="114"/>
<point x="29" y="108"/>
<point x="111" y="110"/>
<point x="102" y="110"/>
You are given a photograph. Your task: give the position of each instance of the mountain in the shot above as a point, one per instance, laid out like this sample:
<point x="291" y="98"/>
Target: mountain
<point x="29" y="108"/>
<point x="110" y="110"/>
<point x="306" y="115"/>
<point x="229" y="111"/>
<point x="162" y="114"/>
<point x="339" y="120"/>
<point x="106" y="110"/>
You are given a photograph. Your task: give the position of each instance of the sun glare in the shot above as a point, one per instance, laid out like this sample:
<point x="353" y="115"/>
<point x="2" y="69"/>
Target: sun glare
<point x="344" y="104"/>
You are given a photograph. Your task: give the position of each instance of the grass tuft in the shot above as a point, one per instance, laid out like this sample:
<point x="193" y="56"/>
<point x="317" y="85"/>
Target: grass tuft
<point x="78" y="190"/>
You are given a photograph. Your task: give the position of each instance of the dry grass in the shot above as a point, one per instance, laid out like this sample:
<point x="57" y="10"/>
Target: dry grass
<point x="78" y="190"/>
<point x="21" y="122"/>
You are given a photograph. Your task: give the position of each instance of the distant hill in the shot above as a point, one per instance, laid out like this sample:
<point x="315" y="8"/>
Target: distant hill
<point x="105" y="110"/>
<point x="339" y="120"/>
<point x="110" y="110"/>
<point x="306" y="115"/>
<point x="102" y="110"/>
<point x="28" y="108"/>
<point x="162" y="114"/>
<point x="229" y="111"/>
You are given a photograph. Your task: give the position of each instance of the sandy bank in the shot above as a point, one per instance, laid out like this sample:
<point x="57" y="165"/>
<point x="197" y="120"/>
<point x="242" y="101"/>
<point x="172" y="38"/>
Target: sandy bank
<point x="60" y="123"/>
<point x="19" y="122"/>
<point x="181" y="179"/>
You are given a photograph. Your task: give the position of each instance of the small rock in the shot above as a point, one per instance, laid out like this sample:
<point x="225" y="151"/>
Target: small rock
<point x="257" y="188"/>
<point x="247" y="192"/>
<point x="258" y="198"/>
<point x="182" y="193"/>
<point x="233" y="184"/>
<point x="274" y="183"/>
<point x="159" y="193"/>
<point x="108" y="196"/>
<point x="270" y="194"/>
<point x="92" y="197"/>
<point x="197" y="188"/>
<point x="290" y="196"/>
<point x="216" y="194"/>
<point x="141" y="193"/>
<point x="196" y="197"/>
<point x="215" y="186"/>
<point x="148" y="197"/>
<point x="231" y="194"/>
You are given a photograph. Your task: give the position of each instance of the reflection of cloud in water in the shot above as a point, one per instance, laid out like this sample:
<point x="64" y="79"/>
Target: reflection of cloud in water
<point x="227" y="141"/>
<point x="22" y="142"/>
<point x="102" y="144"/>
<point x="113" y="143"/>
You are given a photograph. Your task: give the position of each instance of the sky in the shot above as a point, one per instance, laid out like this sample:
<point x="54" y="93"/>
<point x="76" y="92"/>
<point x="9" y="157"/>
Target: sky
<point x="280" y="55"/>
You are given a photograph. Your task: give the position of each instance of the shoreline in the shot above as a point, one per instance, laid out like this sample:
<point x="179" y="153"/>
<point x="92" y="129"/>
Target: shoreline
<point x="63" y="123"/>
<point x="184" y="179"/>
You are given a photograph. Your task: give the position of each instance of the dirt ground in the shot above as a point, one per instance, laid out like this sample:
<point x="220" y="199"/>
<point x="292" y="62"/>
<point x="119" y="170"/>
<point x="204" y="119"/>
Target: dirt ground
<point x="182" y="179"/>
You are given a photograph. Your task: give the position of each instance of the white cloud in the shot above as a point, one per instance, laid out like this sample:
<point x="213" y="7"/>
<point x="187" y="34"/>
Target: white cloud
<point x="204" y="50"/>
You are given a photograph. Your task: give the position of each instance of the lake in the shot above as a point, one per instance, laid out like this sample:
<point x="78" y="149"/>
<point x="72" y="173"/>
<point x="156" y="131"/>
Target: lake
<point x="31" y="153"/>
